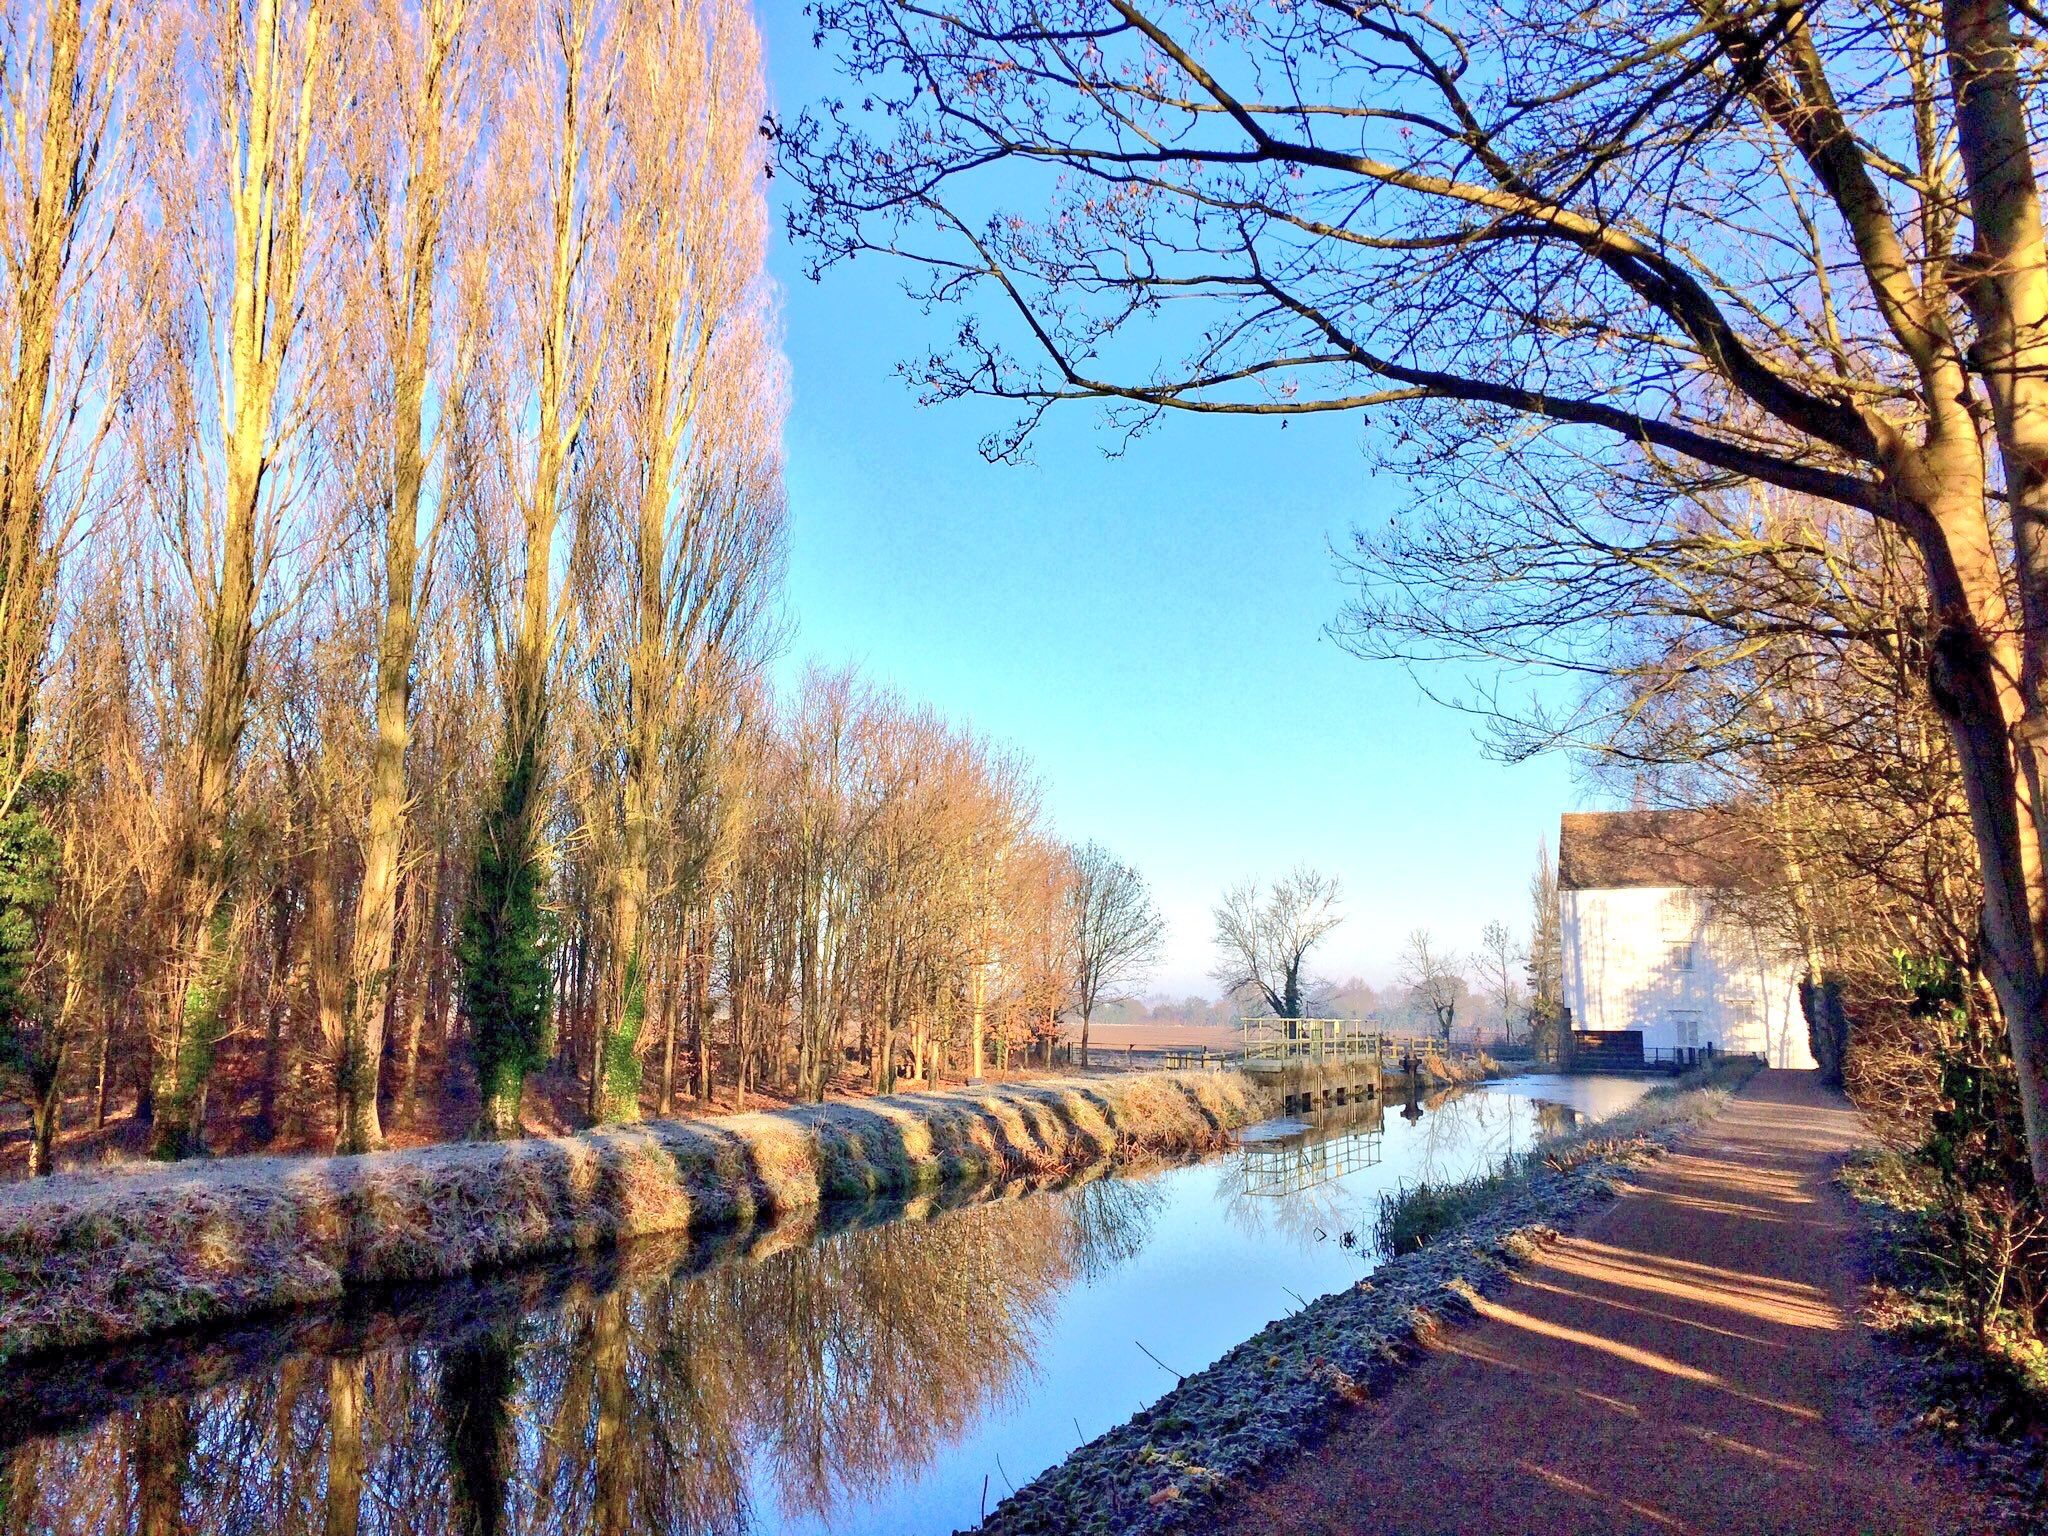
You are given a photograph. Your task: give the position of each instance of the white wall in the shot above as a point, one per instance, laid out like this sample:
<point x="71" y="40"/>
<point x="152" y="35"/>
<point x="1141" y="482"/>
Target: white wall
<point x="1659" y="959"/>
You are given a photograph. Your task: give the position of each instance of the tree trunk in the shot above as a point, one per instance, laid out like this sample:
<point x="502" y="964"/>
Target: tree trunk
<point x="162" y="1453"/>
<point x="275" y="1006"/>
<point x="507" y="979"/>
<point x="41" y="258"/>
<point x="268" y="199"/>
<point x="373" y="947"/>
<point x="100" y="1077"/>
<point x="665" y="1103"/>
<point x="883" y="1078"/>
<point x="615" y="1092"/>
<point x="415" y="1016"/>
<point x="344" y="1446"/>
<point x="46" y="1110"/>
<point x="376" y="929"/>
<point x="976" y="1027"/>
<point x="193" y="1022"/>
<point x="2006" y="287"/>
<point x="326" y="958"/>
<point x="700" y="1034"/>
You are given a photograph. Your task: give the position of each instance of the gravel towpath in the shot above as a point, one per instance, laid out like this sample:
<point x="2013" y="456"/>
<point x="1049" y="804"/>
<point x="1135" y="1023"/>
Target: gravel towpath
<point x="1687" y="1360"/>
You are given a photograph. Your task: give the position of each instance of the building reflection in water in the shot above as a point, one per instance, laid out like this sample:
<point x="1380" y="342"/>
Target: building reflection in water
<point x="667" y="1390"/>
<point x="1555" y="1119"/>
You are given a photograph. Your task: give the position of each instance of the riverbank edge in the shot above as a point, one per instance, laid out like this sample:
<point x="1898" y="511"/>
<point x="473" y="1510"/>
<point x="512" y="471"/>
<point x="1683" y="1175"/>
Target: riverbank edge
<point x="54" y="1394"/>
<point x="1434" y="1072"/>
<point x="93" y="1259"/>
<point x="1279" y="1393"/>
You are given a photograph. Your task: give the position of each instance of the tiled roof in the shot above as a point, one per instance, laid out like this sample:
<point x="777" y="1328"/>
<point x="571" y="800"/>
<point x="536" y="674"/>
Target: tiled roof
<point x="1714" y="849"/>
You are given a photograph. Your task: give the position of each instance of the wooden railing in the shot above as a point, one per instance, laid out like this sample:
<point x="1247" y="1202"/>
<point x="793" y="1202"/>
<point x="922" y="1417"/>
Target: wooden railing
<point x="1292" y="1041"/>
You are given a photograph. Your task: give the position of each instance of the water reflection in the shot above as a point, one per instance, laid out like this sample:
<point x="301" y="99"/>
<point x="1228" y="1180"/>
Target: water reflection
<point x="629" y="1404"/>
<point x="1289" y="1157"/>
<point x="1287" y="1178"/>
<point x="1556" y="1119"/>
<point x="845" y="1371"/>
<point x="1297" y="1179"/>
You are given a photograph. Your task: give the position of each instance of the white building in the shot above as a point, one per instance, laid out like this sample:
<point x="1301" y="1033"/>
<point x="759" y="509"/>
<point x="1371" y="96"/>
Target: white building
<point x="1654" y="939"/>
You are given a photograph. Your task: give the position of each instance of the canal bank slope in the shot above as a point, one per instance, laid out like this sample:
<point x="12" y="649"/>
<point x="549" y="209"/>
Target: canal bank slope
<point x="96" y="1258"/>
<point x="1687" y="1360"/>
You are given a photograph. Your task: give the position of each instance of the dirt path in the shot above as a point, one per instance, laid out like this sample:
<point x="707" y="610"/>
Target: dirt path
<point x="1687" y="1361"/>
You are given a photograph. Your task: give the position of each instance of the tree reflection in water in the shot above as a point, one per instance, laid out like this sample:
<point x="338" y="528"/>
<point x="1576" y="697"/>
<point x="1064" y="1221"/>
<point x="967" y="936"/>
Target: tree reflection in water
<point x="713" y="1400"/>
<point x="476" y="1383"/>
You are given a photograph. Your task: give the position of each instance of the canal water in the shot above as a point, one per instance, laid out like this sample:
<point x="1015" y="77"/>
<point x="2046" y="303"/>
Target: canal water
<point x="893" y="1370"/>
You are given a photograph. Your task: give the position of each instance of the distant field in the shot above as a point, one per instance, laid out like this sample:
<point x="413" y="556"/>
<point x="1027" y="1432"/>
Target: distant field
<point x="1154" y="1035"/>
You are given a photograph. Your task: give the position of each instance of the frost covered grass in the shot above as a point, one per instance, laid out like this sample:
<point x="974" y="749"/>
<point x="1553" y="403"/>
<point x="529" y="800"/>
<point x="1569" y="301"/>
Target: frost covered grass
<point x="92" y="1258"/>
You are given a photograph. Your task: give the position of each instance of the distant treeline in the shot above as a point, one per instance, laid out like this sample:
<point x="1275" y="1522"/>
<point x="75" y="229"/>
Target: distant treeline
<point x="1398" y="1008"/>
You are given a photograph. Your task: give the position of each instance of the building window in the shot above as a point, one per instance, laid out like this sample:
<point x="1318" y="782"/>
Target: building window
<point x="1678" y="957"/>
<point x="1741" y="1033"/>
<point x="1685" y="1028"/>
<point x="1678" y="916"/>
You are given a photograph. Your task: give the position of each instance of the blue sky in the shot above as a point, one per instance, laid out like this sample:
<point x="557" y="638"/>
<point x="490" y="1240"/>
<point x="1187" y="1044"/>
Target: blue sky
<point x="1148" y="629"/>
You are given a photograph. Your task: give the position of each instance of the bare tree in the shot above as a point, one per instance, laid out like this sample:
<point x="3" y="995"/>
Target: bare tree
<point x="1118" y="932"/>
<point x="64" y="198"/>
<point x="416" y="64"/>
<point x="64" y="191"/>
<point x="689" y="544"/>
<point x="549" y="241"/>
<point x="1502" y="963"/>
<point x="390" y="479"/>
<point x="240" y="111"/>
<point x="1262" y="945"/>
<point x="1434" y="977"/>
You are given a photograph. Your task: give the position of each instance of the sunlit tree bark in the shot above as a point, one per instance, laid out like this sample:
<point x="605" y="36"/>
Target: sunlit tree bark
<point x="63" y="188"/>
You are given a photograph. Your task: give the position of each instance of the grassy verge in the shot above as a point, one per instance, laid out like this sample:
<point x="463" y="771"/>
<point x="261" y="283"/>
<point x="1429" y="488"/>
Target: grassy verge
<point x="93" y="1258"/>
<point x="1416" y="1215"/>
<point x="1985" y="1389"/>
